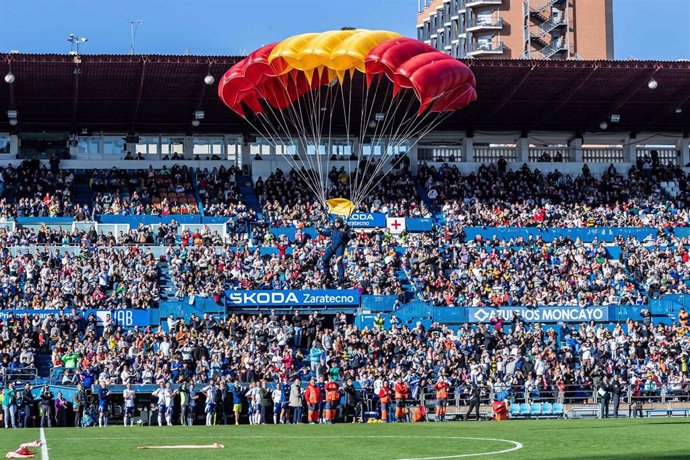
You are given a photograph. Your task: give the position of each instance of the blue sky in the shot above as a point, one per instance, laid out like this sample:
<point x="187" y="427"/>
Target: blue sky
<point x="645" y="29"/>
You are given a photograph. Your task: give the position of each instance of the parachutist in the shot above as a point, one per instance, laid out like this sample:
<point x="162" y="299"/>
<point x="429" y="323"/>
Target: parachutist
<point x="340" y="236"/>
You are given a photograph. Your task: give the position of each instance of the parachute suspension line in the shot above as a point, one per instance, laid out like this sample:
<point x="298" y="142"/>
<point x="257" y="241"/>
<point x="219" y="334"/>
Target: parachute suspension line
<point x="360" y="140"/>
<point x="315" y="105"/>
<point x="395" y="102"/>
<point x="367" y="172"/>
<point x="309" y="120"/>
<point x="346" y="118"/>
<point x="331" y="95"/>
<point x="318" y="117"/>
<point x="297" y="117"/>
<point x="271" y="139"/>
<point x="414" y="128"/>
<point x="440" y="118"/>
<point x="296" y="121"/>
<point x="368" y="111"/>
<point x="275" y="141"/>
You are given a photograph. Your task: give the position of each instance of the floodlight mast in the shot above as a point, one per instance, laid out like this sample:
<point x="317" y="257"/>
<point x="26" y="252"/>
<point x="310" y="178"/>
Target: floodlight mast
<point x="134" y="25"/>
<point x="76" y="41"/>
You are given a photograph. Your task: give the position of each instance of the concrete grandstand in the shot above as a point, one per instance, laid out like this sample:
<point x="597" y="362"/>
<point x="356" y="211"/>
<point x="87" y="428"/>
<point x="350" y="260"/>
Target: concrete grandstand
<point x="133" y="200"/>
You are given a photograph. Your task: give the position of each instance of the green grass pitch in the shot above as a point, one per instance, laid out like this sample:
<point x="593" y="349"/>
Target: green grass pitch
<point x="537" y="439"/>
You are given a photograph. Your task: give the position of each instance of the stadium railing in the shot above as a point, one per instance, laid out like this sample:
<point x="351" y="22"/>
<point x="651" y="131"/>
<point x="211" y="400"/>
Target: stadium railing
<point x="19" y="376"/>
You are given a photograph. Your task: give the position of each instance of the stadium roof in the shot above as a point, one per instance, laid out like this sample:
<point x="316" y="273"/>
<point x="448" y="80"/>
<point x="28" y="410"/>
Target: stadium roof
<point x="152" y="94"/>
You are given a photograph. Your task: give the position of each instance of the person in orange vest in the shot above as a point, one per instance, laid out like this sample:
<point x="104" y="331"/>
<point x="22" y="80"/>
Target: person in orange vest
<point x="402" y="392"/>
<point x="332" y="398"/>
<point x="441" y="388"/>
<point x="385" y="394"/>
<point x="313" y="397"/>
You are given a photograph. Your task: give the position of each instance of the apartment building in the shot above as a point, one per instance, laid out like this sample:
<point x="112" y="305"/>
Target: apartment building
<point x="518" y="29"/>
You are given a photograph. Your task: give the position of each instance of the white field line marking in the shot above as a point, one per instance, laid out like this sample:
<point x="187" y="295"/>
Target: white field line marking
<point x="515" y="445"/>
<point x="44" y="446"/>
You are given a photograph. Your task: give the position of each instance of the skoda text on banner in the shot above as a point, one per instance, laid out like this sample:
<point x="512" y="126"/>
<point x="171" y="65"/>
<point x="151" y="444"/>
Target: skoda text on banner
<point x="541" y="314"/>
<point x="297" y="298"/>
<point x="367" y="220"/>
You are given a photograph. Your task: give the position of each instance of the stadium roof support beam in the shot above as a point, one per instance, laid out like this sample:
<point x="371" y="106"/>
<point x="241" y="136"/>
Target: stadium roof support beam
<point x="508" y="96"/>
<point x="679" y="99"/>
<point x="628" y="94"/>
<point x="140" y="92"/>
<point x="566" y="99"/>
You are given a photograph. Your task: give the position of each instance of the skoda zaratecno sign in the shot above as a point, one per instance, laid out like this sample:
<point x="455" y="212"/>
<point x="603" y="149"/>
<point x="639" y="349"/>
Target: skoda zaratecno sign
<point x="541" y="314"/>
<point x="295" y="298"/>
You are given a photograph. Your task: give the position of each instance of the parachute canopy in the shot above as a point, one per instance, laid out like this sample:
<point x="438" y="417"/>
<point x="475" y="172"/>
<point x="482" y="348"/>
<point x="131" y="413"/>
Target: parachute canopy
<point x="378" y="88"/>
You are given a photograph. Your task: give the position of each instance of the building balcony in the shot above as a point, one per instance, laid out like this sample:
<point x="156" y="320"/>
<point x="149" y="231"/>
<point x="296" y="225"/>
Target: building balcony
<point x="471" y="3"/>
<point x="482" y="49"/>
<point x="485" y="24"/>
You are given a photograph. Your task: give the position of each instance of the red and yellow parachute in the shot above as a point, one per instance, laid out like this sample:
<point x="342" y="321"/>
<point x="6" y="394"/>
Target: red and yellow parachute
<point x="374" y="86"/>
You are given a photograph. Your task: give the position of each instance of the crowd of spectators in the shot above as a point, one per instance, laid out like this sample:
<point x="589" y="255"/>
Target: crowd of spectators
<point x="529" y="273"/>
<point x="372" y="266"/>
<point x="138" y="191"/>
<point x="507" y="358"/>
<point x="289" y="199"/>
<point x="220" y="194"/>
<point x="35" y="190"/>
<point x="102" y="278"/>
<point x="529" y="198"/>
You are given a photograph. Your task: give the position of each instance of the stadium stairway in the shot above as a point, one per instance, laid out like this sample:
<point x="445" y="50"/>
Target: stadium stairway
<point x="424" y="197"/>
<point x="43" y="364"/>
<point x="671" y="188"/>
<point x="406" y="284"/>
<point x="247" y="190"/>
<point x="195" y="186"/>
<point x="167" y="287"/>
<point x="82" y="191"/>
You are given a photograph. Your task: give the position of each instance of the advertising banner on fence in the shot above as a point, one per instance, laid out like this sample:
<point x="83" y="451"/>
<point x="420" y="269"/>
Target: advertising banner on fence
<point x="297" y="298"/>
<point x="367" y="220"/>
<point x="126" y="318"/>
<point x="419" y="224"/>
<point x="396" y="224"/>
<point x="541" y="314"/>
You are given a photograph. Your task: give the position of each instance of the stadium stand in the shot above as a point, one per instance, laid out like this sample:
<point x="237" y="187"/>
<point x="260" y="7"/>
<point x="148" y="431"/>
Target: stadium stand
<point x="526" y="282"/>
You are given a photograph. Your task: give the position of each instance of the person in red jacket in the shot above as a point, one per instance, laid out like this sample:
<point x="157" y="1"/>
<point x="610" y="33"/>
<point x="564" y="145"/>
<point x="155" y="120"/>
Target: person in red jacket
<point x="385" y="397"/>
<point x="441" y="388"/>
<point x="402" y="392"/>
<point x="332" y="398"/>
<point x="313" y="397"/>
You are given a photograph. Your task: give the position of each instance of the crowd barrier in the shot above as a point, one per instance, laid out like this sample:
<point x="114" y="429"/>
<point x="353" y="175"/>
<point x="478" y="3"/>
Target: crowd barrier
<point x="416" y="311"/>
<point x="586" y="235"/>
<point x="185" y="308"/>
<point x="366" y="308"/>
<point x="135" y="220"/>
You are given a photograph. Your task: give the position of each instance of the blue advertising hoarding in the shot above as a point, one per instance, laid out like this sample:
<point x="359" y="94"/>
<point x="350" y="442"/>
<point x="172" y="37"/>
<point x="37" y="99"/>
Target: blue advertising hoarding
<point x="293" y="298"/>
<point x="126" y="318"/>
<point x="419" y="224"/>
<point x="541" y="314"/>
<point x="367" y="220"/>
